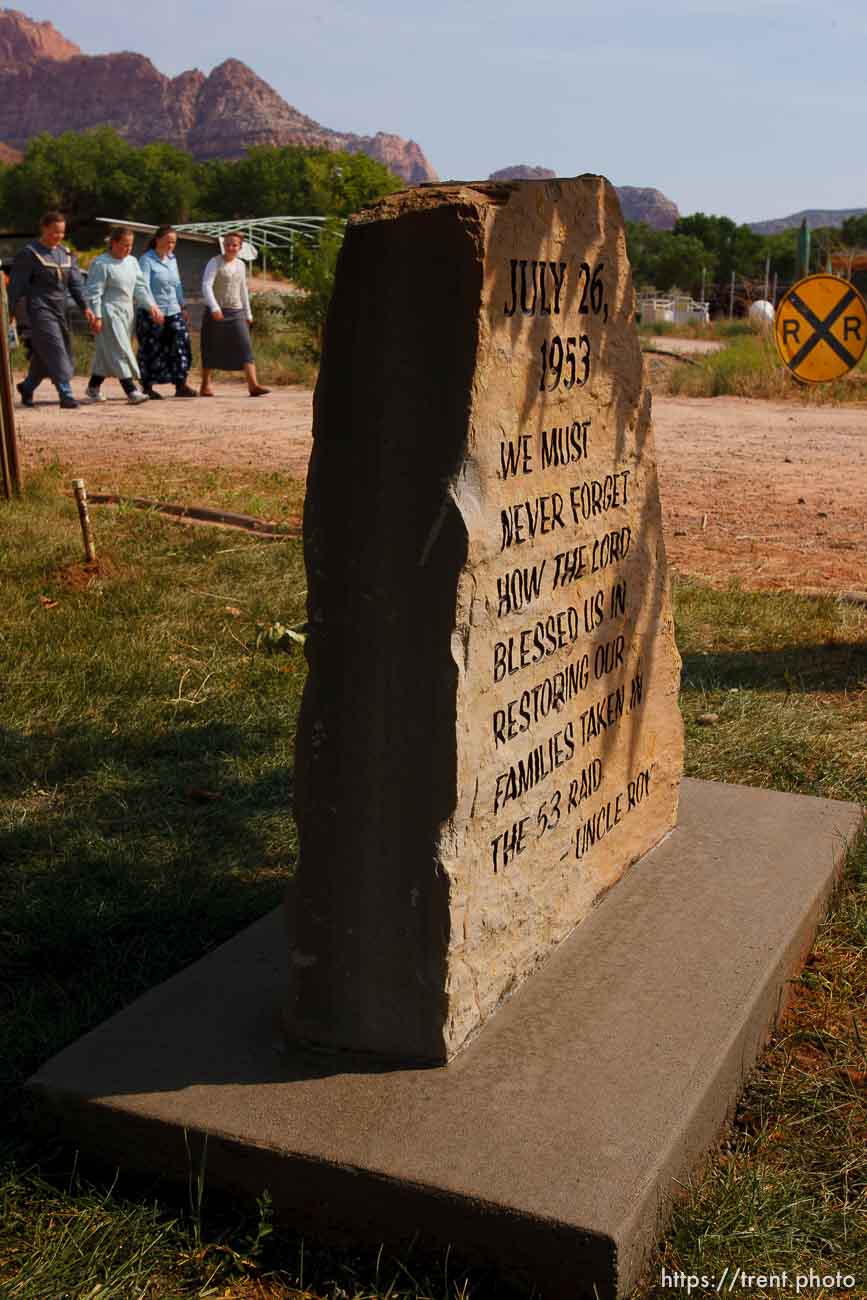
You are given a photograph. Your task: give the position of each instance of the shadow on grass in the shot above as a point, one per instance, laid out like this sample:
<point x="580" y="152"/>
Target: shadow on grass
<point x="126" y="858"/>
<point x="808" y="669"/>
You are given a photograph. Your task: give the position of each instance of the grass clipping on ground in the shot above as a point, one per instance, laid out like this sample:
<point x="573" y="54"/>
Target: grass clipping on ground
<point x="145" y="786"/>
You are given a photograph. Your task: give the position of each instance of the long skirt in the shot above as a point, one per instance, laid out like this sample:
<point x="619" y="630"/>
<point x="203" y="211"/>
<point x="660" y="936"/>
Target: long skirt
<point x="226" y="343"/>
<point x="113" y="354"/>
<point x="50" y="346"/>
<point x="164" y="352"/>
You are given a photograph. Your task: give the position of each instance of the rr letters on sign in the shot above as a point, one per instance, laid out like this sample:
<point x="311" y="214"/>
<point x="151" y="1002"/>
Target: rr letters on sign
<point x="821" y="328"/>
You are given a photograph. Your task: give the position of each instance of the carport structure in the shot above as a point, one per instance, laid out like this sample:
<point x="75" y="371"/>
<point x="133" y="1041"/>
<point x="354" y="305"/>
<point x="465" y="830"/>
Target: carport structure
<point x="261" y="233"/>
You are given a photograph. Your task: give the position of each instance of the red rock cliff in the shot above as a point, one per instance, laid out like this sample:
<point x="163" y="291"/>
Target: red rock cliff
<point x="22" y="39"/>
<point x="649" y="206"/>
<point x="47" y="84"/>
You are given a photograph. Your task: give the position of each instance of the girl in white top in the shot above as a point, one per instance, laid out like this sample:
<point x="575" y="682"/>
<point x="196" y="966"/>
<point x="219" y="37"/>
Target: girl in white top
<point x="224" y="284"/>
<point x="226" y="324"/>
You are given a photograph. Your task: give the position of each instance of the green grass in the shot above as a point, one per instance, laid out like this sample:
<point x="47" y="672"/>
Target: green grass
<point x="120" y="697"/>
<point x="787" y="1190"/>
<point x="266" y="495"/>
<point x="145" y="779"/>
<point x="715" y="329"/>
<point x="787" y="678"/>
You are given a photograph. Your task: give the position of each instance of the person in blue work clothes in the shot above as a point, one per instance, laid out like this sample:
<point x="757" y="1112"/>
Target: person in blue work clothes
<point x="164" y="351"/>
<point x="43" y="274"/>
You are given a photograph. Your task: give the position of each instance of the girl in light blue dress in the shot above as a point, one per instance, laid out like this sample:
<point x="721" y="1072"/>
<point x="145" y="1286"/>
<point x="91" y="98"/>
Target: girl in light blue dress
<point x="115" y="288"/>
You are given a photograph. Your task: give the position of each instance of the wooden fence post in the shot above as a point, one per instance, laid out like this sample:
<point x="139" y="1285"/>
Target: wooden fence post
<point x="9" y="462"/>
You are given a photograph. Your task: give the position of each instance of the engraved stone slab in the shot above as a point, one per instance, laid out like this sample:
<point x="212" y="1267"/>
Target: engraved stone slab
<point x="490" y="734"/>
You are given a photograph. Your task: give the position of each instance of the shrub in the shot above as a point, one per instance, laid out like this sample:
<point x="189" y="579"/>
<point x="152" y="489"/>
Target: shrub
<point x="315" y="269"/>
<point x="749" y="366"/>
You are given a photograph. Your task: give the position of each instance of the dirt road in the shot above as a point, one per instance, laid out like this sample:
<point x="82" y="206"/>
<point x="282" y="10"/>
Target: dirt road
<point x="271" y="432"/>
<point x="772" y="494"/>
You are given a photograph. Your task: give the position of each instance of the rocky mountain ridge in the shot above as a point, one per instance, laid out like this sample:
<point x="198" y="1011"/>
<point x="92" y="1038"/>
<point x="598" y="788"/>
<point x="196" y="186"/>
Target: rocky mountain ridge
<point x="23" y="39"/>
<point x="816" y="217"/>
<point x="638" y="204"/>
<point x="48" y="85"/>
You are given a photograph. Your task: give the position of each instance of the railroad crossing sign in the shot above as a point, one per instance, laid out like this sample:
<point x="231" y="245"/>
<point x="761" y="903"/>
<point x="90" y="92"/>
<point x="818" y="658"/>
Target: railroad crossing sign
<point x="821" y="328"/>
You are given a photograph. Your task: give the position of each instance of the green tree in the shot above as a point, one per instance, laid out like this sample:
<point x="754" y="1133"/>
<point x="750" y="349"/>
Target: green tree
<point x="97" y="174"/>
<point x="853" y="232"/>
<point x="316" y="265"/>
<point x="342" y="183"/>
<point x="664" y="260"/>
<point x="782" y="248"/>
<point x="264" y="183"/>
<point x="734" y="248"/>
<point x="291" y="181"/>
<point x="168" y="184"/>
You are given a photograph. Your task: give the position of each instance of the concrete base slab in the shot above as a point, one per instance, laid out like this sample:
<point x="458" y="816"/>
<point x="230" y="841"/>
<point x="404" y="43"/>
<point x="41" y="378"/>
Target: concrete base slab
<point x="550" y="1146"/>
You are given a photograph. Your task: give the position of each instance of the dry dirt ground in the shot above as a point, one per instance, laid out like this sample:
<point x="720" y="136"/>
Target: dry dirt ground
<point x="771" y="494"/>
<point x="682" y="347"/>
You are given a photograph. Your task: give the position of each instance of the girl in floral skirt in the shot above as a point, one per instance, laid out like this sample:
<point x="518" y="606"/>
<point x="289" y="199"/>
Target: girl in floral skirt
<point x="164" y="352"/>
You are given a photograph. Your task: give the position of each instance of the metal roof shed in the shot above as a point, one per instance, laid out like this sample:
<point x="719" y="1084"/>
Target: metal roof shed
<point x="262" y="233"/>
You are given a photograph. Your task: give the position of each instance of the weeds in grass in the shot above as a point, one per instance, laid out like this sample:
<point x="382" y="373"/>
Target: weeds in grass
<point x="715" y="329"/>
<point x="264" y="1225"/>
<point x="196" y="1186"/>
<point x="749" y="366"/>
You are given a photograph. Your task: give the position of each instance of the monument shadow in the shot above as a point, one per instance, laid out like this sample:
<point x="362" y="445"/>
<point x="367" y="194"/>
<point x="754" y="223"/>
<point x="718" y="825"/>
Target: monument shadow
<point x="101" y="902"/>
<point x="797" y="669"/>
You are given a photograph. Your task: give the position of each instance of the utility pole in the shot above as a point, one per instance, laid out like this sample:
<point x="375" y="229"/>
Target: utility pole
<point x="803" y="250"/>
<point x="732" y="298"/>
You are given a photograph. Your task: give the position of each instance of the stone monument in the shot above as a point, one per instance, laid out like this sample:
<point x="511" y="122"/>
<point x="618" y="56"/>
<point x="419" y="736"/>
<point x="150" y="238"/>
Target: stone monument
<point x="490" y="733"/>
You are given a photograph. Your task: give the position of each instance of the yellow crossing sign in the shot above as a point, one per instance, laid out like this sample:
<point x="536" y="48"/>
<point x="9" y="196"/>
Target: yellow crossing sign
<point x="821" y="328"/>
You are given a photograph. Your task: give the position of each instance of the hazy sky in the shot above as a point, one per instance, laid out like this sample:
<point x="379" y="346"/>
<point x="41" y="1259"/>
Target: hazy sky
<point x="754" y="110"/>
